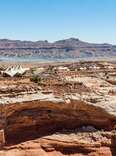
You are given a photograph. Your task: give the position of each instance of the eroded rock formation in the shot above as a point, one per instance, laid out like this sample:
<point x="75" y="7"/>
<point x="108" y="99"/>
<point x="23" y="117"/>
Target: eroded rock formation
<point x="47" y="116"/>
<point x="75" y="118"/>
<point x="63" y="144"/>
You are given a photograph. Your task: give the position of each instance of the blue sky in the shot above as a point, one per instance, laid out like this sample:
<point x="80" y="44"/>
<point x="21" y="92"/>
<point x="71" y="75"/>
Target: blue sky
<point x="89" y="20"/>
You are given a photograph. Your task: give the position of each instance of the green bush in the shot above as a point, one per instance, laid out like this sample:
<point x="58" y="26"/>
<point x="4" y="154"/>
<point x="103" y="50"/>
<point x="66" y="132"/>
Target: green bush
<point x="35" y="79"/>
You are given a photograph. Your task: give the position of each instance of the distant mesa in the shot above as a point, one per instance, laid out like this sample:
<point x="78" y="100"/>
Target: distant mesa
<point x="62" y="49"/>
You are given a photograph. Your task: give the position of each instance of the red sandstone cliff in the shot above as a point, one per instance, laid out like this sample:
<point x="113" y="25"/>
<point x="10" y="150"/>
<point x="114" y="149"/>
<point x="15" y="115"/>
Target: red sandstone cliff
<point x="36" y="119"/>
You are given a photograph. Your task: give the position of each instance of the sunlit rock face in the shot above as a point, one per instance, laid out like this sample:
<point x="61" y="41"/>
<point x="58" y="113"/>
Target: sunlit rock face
<point x="43" y="117"/>
<point x="76" y="121"/>
<point x="58" y="128"/>
<point x="66" y="143"/>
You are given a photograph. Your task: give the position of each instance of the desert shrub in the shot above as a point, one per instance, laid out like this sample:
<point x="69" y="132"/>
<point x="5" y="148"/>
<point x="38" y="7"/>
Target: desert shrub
<point x="35" y="79"/>
<point x="32" y="70"/>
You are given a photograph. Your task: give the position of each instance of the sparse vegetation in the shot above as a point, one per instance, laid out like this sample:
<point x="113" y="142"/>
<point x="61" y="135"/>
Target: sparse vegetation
<point x="35" y="79"/>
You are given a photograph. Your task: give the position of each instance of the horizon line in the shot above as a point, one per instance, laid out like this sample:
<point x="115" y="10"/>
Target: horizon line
<point x="76" y="38"/>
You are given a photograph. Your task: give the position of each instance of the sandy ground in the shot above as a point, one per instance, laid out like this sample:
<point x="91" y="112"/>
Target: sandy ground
<point x="62" y="62"/>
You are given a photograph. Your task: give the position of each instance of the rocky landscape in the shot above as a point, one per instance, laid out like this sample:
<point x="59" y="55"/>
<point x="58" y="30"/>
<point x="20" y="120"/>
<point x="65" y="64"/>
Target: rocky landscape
<point x="60" y="111"/>
<point x="63" y="49"/>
